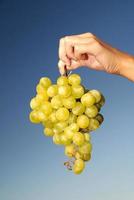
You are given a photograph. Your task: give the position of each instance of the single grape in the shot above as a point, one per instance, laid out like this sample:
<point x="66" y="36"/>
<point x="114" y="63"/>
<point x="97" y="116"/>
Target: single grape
<point x="45" y="82"/>
<point x="57" y="139"/>
<point x="83" y="121"/>
<point x="100" y="118"/>
<point x="70" y="150"/>
<point x="79" y="109"/>
<point x="74" y="127"/>
<point x="86" y="148"/>
<point x="46" y="108"/>
<point x="42" y="116"/>
<point x="72" y="118"/>
<point x="52" y="117"/>
<point x="94" y="124"/>
<point x="48" y="132"/>
<point x="62" y="80"/>
<point x="33" y="117"/>
<point x="56" y="102"/>
<point x="62" y="114"/>
<point x="79" y="166"/>
<point x="60" y="126"/>
<point x="52" y="90"/>
<point x="78" y="139"/>
<point x="78" y="155"/>
<point x="69" y="133"/>
<point x="34" y="103"/>
<point x="87" y="137"/>
<point x="64" y="91"/>
<point x="74" y="79"/>
<point x="40" y="89"/>
<point x="96" y="94"/>
<point x="42" y="96"/>
<point x="86" y="157"/>
<point x="64" y="139"/>
<point x="69" y="102"/>
<point x="77" y="91"/>
<point x="91" y="111"/>
<point x="88" y="99"/>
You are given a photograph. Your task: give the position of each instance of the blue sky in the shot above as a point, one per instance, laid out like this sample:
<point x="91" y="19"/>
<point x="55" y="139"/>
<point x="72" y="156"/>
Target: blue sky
<point x="31" y="166"/>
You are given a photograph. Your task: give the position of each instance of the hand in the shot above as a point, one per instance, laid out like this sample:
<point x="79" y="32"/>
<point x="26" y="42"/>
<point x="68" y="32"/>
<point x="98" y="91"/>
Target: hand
<point x="87" y="50"/>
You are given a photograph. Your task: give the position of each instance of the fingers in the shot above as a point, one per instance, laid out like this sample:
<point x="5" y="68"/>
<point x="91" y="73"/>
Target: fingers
<point x="73" y="65"/>
<point x="62" y="52"/>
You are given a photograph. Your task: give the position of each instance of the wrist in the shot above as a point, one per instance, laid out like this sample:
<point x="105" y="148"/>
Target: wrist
<point x="126" y="66"/>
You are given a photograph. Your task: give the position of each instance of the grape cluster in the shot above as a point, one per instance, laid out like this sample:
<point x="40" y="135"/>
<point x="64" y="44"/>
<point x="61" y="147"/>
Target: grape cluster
<point x="68" y="113"/>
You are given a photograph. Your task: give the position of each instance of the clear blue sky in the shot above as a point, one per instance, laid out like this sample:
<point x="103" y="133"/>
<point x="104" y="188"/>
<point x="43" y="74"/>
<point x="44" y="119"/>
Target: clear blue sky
<point x="31" y="167"/>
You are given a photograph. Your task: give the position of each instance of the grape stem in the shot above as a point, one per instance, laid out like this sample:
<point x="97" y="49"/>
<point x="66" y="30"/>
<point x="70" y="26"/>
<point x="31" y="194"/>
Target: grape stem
<point x="65" y="69"/>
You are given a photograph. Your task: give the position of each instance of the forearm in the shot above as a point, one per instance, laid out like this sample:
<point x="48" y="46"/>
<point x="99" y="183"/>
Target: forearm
<point x="126" y="66"/>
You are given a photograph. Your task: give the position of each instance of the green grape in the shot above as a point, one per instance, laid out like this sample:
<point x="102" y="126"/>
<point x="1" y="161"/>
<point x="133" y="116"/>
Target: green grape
<point x="88" y="99"/>
<point x="57" y="139"/>
<point x="56" y="102"/>
<point x="64" y="139"/>
<point x="74" y="127"/>
<point x="86" y="157"/>
<point x="48" y="132"/>
<point x="69" y="102"/>
<point x="60" y="126"/>
<point x="52" y="117"/>
<point x="39" y="89"/>
<point x="52" y="90"/>
<point x="45" y="82"/>
<point x="42" y="96"/>
<point x="79" y="109"/>
<point x="33" y="117"/>
<point x="64" y="91"/>
<point x="62" y="114"/>
<point x="94" y="124"/>
<point x="100" y="118"/>
<point x="34" y="103"/>
<point x="78" y="139"/>
<point x="72" y="118"/>
<point x="78" y="155"/>
<point x="91" y="111"/>
<point x="42" y="116"/>
<point x="62" y="80"/>
<point x="87" y="137"/>
<point x="46" y="108"/>
<point x="96" y="94"/>
<point x="70" y="150"/>
<point x="69" y="133"/>
<point x="86" y="148"/>
<point x="74" y="79"/>
<point x="77" y="91"/>
<point x="102" y="101"/>
<point x="83" y="121"/>
<point x="79" y="166"/>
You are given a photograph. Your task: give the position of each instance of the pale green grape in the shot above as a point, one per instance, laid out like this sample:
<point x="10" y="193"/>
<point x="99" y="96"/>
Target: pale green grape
<point x="72" y="118"/>
<point x="69" y="133"/>
<point x="86" y="148"/>
<point x="74" y="79"/>
<point x="88" y="99"/>
<point x="94" y="124"/>
<point x="62" y="114"/>
<point x="79" y="166"/>
<point x="70" y="150"/>
<point x="40" y="89"/>
<point x="60" y="126"/>
<point x="74" y="127"/>
<point x="78" y="139"/>
<point x="45" y="82"/>
<point x="48" y="132"/>
<point x="57" y="139"/>
<point x="34" y="103"/>
<point x="64" y="91"/>
<point x="83" y="121"/>
<point x="33" y="116"/>
<point x="77" y="91"/>
<point x="62" y="80"/>
<point x="91" y="111"/>
<point x="64" y="139"/>
<point x="87" y="137"/>
<point x="79" y="109"/>
<point x="46" y="107"/>
<point x="52" y="117"/>
<point x="69" y="102"/>
<point x="52" y="90"/>
<point x="42" y="116"/>
<point x="96" y="94"/>
<point x="56" y="102"/>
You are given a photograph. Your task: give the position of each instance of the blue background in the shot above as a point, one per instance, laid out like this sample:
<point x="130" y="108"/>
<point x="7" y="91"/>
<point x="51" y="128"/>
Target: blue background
<point x="31" y="167"/>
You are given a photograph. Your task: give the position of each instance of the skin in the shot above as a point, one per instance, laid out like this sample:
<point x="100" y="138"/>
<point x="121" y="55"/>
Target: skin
<point x="87" y="50"/>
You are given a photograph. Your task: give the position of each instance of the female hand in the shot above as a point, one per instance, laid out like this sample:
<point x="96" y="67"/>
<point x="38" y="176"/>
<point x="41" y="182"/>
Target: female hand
<point x="87" y="50"/>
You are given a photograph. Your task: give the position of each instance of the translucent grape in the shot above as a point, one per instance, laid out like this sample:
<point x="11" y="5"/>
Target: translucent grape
<point x="48" y="132"/>
<point x="78" y="139"/>
<point x="69" y="102"/>
<point x="70" y="150"/>
<point x="96" y="94"/>
<point x="86" y="148"/>
<point x="46" y="107"/>
<point x="62" y="80"/>
<point x="64" y="91"/>
<point x="77" y="91"/>
<point x="74" y="79"/>
<point x="88" y="99"/>
<point x="79" y="166"/>
<point x="56" y="102"/>
<point x="83" y="121"/>
<point x="79" y="109"/>
<point x="62" y="114"/>
<point x="94" y="124"/>
<point x="91" y="111"/>
<point x="52" y="90"/>
<point x="45" y="82"/>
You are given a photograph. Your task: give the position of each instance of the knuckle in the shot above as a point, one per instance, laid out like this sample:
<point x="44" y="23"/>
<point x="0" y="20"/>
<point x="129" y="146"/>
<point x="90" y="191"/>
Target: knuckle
<point x="89" y="34"/>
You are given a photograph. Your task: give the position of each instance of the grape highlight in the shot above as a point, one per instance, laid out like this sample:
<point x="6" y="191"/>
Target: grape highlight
<point x="69" y="114"/>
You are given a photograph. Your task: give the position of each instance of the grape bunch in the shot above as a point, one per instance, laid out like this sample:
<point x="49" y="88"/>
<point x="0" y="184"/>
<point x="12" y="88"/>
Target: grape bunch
<point x="68" y="113"/>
